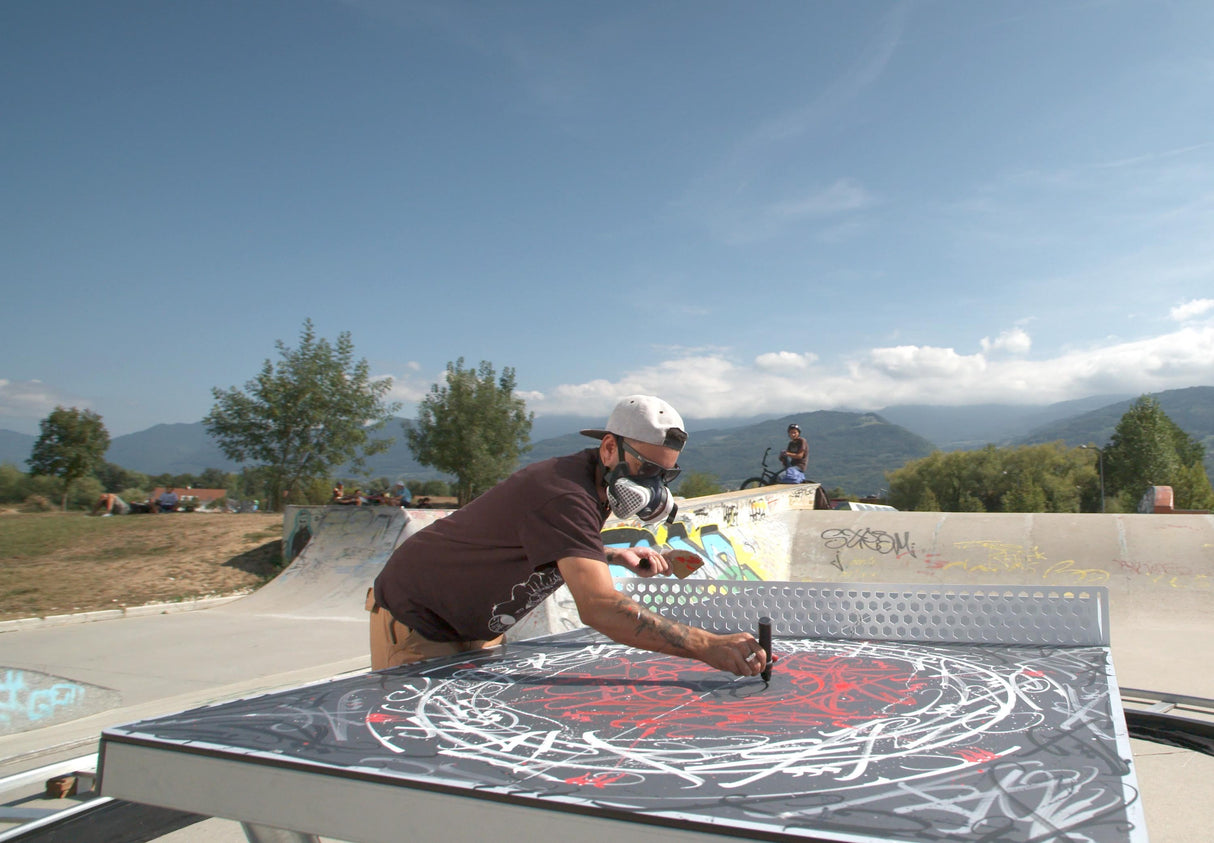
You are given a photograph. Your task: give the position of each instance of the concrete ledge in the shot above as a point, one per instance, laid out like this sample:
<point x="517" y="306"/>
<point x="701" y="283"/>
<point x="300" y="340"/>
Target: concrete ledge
<point x="82" y="617"/>
<point x="181" y="606"/>
<point x="20" y="624"/>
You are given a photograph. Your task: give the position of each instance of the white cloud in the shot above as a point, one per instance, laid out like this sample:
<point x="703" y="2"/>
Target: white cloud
<point x="408" y="388"/>
<point x="1191" y="309"/>
<point x="786" y="382"/>
<point x="785" y="361"/>
<point x="33" y="400"/>
<point x="841" y="197"/>
<point x="905" y="362"/>
<point x="1015" y="341"/>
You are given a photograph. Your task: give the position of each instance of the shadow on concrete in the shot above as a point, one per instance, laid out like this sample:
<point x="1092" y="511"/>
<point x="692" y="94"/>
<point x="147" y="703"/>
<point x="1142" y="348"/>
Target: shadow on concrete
<point x="264" y="561"/>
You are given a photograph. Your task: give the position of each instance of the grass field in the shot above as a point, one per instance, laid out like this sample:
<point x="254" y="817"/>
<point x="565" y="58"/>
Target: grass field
<point x="58" y="563"/>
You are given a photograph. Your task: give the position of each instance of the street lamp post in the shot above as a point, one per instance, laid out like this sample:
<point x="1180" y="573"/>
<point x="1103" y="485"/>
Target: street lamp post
<point x="1100" y="463"/>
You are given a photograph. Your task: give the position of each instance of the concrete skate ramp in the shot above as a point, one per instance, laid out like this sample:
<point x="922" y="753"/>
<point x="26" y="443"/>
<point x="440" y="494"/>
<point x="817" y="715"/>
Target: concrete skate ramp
<point x="1153" y="565"/>
<point x="1159" y="569"/>
<point x="345" y="550"/>
<point x="1144" y="560"/>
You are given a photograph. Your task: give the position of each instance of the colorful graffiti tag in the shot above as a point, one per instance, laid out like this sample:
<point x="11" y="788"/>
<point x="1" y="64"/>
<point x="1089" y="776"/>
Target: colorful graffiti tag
<point x="29" y="699"/>
<point x="724" y="559"/>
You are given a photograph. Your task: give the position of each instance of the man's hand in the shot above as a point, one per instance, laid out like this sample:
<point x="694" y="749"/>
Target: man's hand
<point x="624" y="620"/>
<point x="642" y="560"/>
<point x="738" y="653"/>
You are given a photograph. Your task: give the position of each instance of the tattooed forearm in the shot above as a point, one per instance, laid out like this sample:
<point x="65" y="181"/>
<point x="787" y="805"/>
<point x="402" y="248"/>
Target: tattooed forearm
<point x="648" y="623"/>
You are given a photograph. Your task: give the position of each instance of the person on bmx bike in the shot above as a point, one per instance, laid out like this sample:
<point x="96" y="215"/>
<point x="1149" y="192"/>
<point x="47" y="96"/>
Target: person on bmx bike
<point x="794" y="458"/>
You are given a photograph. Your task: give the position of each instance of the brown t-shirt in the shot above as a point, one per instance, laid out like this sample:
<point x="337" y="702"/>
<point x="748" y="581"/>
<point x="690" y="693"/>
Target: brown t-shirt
<point x="799" y="448"/>
<point x="472" y="575"/>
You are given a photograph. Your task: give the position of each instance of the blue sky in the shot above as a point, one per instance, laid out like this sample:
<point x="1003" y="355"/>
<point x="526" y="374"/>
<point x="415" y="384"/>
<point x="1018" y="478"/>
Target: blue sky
<point x="743" y="207"/>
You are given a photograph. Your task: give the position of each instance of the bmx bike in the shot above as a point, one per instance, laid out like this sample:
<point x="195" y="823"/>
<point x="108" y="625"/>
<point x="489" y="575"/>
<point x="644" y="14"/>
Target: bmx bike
<point x="769" y="477"/>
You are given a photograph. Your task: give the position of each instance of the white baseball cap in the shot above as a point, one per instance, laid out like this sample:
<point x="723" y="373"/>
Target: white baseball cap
<point x="645" y="418"/>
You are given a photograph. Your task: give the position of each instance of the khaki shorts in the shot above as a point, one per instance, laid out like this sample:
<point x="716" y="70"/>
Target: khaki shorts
<point x="394" y="644"/>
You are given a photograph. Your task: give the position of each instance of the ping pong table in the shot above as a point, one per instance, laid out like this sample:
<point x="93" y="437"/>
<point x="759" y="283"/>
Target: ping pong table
<point x="893" y="712"/>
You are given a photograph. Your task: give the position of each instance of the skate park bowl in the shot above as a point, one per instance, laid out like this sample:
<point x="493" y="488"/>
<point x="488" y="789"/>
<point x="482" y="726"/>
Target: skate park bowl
<point x="1158" y="568"/>
<point x="1154" y="569"/>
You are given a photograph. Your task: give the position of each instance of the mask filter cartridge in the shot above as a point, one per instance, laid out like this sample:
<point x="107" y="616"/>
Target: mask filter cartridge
<point x="644" y="497"/>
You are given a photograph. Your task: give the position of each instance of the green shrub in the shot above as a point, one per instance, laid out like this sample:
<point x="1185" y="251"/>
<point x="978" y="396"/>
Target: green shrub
<point x="38" y="503"/>
<point x="84" y="493"/>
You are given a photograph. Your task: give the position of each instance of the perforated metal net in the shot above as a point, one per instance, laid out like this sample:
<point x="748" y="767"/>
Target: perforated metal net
<point x="1014" y="615"/>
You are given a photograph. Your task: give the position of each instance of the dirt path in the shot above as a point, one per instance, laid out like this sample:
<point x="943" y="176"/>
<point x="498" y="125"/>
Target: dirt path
<point x="57" y="563"/>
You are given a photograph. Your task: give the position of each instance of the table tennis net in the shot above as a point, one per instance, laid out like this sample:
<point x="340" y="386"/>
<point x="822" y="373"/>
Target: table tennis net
<point x="1010" y="615"/>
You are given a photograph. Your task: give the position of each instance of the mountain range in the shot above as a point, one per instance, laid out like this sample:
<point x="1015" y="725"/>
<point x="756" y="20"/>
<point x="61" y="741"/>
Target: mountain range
<point x="848" y="450"/>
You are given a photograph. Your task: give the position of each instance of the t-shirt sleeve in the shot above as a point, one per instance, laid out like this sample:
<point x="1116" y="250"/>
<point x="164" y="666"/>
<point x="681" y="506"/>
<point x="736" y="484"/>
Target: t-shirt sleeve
<point x="565" y="526"/>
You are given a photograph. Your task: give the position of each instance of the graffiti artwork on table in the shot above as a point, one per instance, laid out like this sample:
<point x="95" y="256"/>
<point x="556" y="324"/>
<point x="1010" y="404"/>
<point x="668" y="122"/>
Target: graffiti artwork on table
<point x="724" y="558"/>
<point x="869" y="741"/>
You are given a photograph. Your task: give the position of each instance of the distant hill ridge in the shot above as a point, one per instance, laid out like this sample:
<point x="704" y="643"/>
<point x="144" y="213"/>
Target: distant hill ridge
<point x="851" y="450"/>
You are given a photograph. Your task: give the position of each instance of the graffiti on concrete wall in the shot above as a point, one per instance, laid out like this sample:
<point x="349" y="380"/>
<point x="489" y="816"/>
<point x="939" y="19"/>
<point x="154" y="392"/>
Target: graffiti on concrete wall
<point x="1173" y="574"/>
<point x="727" y="555"/>
<point x="298" y="534"/>
<point x="864" y="554"/>
<point x="30" y="699"/>
<point x="866" y="538"/>
<point x="1028" y="562"/>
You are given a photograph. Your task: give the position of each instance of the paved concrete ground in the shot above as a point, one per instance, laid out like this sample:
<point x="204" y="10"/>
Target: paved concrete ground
<point x="308" y="625"/>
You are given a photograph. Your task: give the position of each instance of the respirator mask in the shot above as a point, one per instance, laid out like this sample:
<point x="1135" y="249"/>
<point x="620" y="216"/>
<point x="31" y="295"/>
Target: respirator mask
<point x="642" y="494"/>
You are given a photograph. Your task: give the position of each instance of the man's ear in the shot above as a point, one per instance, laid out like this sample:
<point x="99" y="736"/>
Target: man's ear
<point x="608" y="452"/>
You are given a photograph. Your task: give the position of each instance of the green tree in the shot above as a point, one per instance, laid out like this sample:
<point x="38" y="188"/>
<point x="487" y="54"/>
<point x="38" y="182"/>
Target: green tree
<point x="1033" y="478"/>
<point x="12" y="483"/>
<point x="315" y="410"/>
<point x="473" y="427"/>
<point x="432" y="488"/>
<point x="1149" y="449"/>
<point x="698" y="484"/>
<point x="1024" y="496"/>
<point x="114" y="477"/>
<point x="70" y="446"/>
<point x="928" y="502"/>
<point x="213" y="478"/>
<point x="1191" y="488"/>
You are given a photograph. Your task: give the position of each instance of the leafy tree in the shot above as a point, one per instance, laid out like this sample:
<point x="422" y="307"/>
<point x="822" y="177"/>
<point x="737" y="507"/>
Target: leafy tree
<point x="1191" y="488"/>
<point x="910" y="488"/>
<point x="432" y="488"/>
<point x="85" y="493"/>
<point x="249" y="485"/>
<point x="319" y="491"/>
<point x="1148" y="449"/>
<point x="1033" y="478"/>
<point x="298" y="420"/>
<point x="212" y="478"/>
<point x="472" y="427"/>
<point x="697" y="484"/>
<point x="133" y="494"/>
<point x="113" y="477"/>
<point x="70" y="446"/>
<point x="928" y="502"/>
<point x="1024" y="496"/>
<point x="12" y="483"/>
